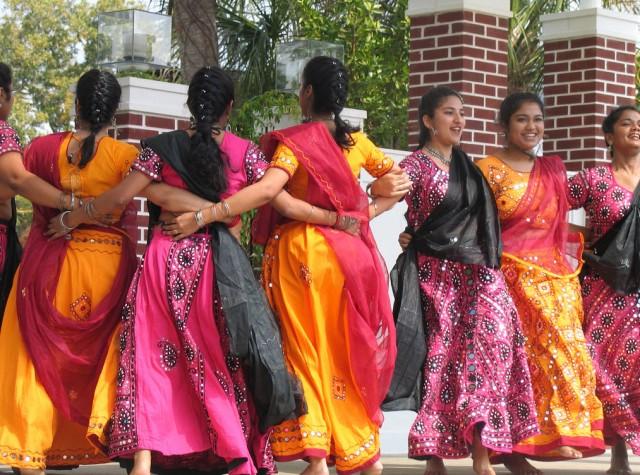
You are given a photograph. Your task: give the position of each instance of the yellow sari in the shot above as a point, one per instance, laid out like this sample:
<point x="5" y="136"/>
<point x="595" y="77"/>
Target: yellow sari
<point x="549" y="304"/>
<point x="33" y="435"/>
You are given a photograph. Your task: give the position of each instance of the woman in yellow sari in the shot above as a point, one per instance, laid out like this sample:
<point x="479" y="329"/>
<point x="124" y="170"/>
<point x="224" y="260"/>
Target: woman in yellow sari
<point x="541" y="263"/>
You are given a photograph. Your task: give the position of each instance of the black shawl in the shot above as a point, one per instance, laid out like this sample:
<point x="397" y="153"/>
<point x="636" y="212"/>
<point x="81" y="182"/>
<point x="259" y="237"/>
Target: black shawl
<point x="254" y="333"/>
<point x="616" y="255"/>
<point x="464" y="228"/>
<point x="13" y="252"/>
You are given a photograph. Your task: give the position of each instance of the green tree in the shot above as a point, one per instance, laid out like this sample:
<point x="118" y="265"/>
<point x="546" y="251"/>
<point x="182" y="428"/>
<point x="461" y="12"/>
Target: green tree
<point x="49" y="44"/>
<point x="375" y="35"/>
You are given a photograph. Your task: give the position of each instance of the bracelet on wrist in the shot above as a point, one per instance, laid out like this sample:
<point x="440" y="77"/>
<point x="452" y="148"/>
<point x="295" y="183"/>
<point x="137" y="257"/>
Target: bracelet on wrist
<point x="67" y="229"/>
<point x="368" y="190"/>
<point x="199" y="218"/>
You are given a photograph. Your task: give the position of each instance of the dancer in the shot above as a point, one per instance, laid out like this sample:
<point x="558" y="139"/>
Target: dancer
<point x="541" y="262"/>
<point x="611" y="322"/>
<point x="326" y="286"/>
<point x="57" y="351"/>
<point x="219" y="374"/>
<point x="476" y="389"/>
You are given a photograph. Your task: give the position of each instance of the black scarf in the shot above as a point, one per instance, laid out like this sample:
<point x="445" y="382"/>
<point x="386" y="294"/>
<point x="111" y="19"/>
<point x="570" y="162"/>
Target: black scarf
<point x="465" y="228"/>
<point x="254" y="333"/>
<point x="616" y="255"/>
<point x="13" y="253"/>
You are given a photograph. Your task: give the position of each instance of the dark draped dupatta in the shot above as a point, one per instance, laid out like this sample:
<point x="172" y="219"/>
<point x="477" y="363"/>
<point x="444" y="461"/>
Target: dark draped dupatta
<point x="332" y="185"/>
<point x="68" y="355"/>
<point x="254" y="333"/>
<point x="13" y="253"/>
<point x="464" y="228"/>
<point x="616" y="255"/>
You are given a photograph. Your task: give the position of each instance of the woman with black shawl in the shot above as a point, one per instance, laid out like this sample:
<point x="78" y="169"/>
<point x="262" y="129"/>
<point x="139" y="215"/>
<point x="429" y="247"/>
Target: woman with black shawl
<point x="457" y="326"/>
<point x="611" y="282"/>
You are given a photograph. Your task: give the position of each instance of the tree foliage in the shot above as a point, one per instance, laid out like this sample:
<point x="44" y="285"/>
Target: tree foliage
<point x="49" y="44"/>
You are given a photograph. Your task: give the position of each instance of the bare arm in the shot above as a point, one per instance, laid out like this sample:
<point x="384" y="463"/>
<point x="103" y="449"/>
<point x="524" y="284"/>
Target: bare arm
<point x="248" y="198"/>
<point x="381" y="205"/>
<point x="298" y="210"/>
<point x="14" y="175"/>
<point x="393" y="184"/>
<point x="171" y="198"/>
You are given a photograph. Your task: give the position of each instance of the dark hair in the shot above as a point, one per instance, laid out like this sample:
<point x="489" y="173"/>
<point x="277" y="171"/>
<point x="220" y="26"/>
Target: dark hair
<point x="610" y="121"/>
<point x="210" y="92"/>
<point x="513" y="102"/>
<point x="98" y="94"/>
<point x="330" y="82"/>
<point x="6" y="79"/>
<point x="428" y="105"/>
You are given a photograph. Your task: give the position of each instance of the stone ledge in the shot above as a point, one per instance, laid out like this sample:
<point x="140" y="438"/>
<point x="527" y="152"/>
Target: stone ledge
<point x="500" y="8"/>
<point x="590" y="22"/>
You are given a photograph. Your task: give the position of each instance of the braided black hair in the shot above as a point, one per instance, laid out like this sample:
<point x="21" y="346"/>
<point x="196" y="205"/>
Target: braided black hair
<point x="512" y="103"/>
<point x="330" y="82"/>
<point x="428" y="105"/>
<point x="210" y="93"/>
<point x="98" y="95"/>
<point x="610" y="121"/>
<point x="6" y="79"/>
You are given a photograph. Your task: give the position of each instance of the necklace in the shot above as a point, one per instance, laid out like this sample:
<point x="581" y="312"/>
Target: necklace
<point x="438" y="155"/>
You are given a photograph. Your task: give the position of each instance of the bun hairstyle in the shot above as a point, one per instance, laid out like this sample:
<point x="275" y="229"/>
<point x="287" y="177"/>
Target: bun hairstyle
<point x="513" y="102"/>
<point x="610" y="121"/>
<point x="428" y="105"/>
<point x="210" y="93"/>
<point x="98" y="95"/>
<point x="6" y="79"/>
<point x="330" y="82"/>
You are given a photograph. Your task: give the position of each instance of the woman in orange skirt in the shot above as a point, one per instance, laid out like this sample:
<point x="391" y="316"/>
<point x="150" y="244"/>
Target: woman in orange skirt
<point x="541" y="261"/>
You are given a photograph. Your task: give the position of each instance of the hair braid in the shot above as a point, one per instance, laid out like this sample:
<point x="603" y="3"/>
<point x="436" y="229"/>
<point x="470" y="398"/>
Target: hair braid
<point x="330" y="82"/>
<point x="98" y="94"/>
<point x="210" y="93"/>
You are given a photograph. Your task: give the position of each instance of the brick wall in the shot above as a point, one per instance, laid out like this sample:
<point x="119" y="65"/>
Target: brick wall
<point x="468" y="51"/>
<point x="584" y="78"/>
<point x="132" y="128"/>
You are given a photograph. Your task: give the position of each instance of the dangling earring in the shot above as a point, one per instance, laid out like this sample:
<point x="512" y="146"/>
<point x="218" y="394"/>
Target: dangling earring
<point x="192" y="122"/>
<point x="611" y="149"/>
<point x="76" y="123"/>
<point x="434" y="132"/>
<point x="114" y="125"/>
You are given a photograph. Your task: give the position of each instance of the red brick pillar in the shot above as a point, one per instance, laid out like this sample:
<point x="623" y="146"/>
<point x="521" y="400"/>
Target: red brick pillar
<point x="148" y="108"/>
<point x="589" y="68"/>
<point x="462" y="44"/>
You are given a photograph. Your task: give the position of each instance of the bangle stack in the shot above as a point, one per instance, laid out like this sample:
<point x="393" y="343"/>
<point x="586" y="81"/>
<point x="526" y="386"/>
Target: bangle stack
<point x="199" y="218"/>
<point x="309" y="213"/>
<point x="227" y="209"/>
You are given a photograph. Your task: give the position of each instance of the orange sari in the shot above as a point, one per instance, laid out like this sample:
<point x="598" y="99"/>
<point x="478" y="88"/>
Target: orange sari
<point x="33" y="434"/>
<point x="305" y="285"/>
<point x="544" y="285"/>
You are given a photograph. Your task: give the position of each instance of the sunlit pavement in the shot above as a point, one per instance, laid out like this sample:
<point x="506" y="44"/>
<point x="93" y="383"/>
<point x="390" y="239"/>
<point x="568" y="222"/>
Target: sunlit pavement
<point x="402" y="466"/>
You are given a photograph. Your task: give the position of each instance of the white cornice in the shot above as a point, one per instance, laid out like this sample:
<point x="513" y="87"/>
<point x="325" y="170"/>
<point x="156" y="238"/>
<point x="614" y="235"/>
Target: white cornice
<point x="154" y="97"/>
<point x="500" y="8"/>
<point x="590" y="22"/>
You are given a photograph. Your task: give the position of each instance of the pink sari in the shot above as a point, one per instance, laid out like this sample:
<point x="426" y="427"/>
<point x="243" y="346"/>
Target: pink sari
<point x="332" y="185"/>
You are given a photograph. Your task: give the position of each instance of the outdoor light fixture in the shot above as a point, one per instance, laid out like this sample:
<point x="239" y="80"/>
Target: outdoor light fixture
<point x="134" y="39"/>
<point x="291" y="58"/>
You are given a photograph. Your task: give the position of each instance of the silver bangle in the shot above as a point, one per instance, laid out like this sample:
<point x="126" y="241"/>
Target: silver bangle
<point x="67" y="229"/>
<point x="227" y="209"/>
<point x="199" y="218"/>
<point x="72" y="203"/>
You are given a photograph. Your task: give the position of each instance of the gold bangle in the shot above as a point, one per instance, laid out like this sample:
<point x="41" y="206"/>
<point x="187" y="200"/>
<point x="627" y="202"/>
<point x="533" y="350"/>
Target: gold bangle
<point x="199" y="218"/>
